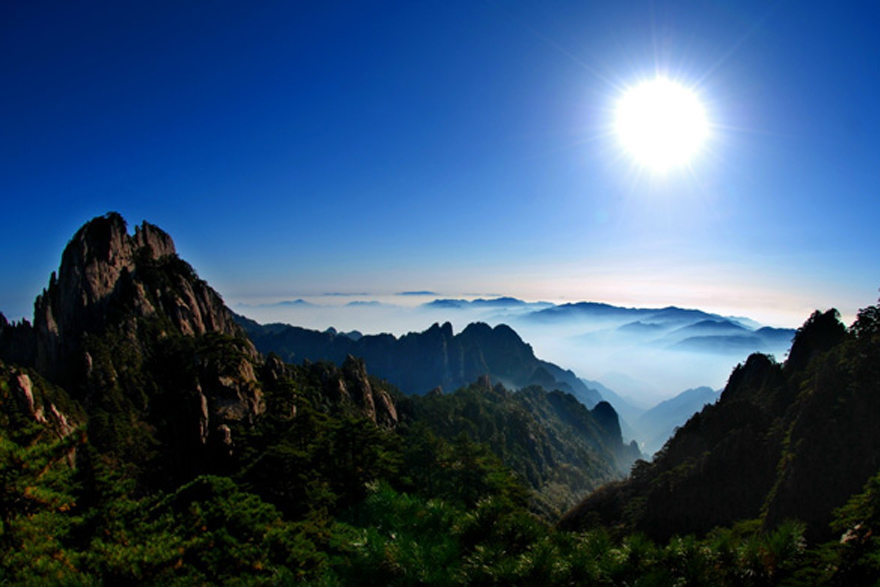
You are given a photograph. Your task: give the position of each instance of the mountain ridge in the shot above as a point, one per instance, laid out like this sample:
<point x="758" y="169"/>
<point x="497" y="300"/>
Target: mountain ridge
<point x="789" y="440"/>
<point x="419" y="362"/>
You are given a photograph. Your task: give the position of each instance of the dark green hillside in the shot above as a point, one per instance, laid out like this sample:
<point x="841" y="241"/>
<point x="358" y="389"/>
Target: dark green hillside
<point x="556" y="445"/>
<point x="330" y="497"/>
<point x="785" y="441"/>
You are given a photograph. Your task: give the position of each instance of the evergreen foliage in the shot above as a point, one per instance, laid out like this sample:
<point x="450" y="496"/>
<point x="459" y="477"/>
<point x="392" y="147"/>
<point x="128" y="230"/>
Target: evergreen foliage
<point x="790" y="441"/>
<point x="332" y="499"/>
<point x="549" y="440"/>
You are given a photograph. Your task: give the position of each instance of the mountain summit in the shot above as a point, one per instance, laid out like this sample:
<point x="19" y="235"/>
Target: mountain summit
<point x="107" y="276"/>
<point x="108" y="329"/>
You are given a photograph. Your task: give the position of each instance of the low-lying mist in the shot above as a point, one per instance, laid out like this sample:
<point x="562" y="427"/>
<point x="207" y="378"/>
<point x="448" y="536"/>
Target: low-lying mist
<point x="645" y="355"/>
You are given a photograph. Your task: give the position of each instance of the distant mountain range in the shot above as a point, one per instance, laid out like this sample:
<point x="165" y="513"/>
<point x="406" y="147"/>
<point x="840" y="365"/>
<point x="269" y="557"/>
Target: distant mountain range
<point x="652" y="427"/>
<point x="419" y="362"/>
<point x="499" y="302"/>
<point x="631" y="350"/>
<point x="596" y="310"/>
<point x="645" y="353"/>
<point x="671" y="327"/>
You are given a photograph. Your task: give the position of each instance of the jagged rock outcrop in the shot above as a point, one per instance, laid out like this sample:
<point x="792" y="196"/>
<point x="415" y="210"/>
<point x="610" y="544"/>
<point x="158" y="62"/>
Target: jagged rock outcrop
<point x="607" y="418"/>
<point x="107" y="274"/>
<point x="26" y="400"/>
<point x="228" y="392"/>
<point x="376" y="403"/>
<point x="349" y="388"/>
<point x="114" y="322"/>
<point x="34" y="405"/>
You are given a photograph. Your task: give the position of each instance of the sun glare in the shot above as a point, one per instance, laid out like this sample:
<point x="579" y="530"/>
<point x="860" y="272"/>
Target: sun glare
<point x="661" y="123"/>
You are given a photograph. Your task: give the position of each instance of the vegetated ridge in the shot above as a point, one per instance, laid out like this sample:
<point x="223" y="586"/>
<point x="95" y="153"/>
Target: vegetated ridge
<point x="658" y="424"/>
<point x="784" y="441"/>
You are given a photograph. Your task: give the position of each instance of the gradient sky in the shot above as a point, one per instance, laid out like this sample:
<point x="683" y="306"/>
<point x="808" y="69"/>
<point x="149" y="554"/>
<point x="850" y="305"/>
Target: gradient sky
<point x="295" y="149"/>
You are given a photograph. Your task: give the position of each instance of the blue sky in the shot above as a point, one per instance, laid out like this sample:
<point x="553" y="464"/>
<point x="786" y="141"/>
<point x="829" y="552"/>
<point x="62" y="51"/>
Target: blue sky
<point x="293" y="149"/>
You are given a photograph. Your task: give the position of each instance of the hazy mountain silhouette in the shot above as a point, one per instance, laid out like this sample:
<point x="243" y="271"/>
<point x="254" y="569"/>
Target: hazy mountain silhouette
<point x="419" y="362"/>
<point x="655" y="426"/>
<point x="628" y="349"/>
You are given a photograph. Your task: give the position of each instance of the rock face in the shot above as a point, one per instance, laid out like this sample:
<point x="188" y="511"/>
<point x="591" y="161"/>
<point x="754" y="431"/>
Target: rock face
<point x="376" y="404"/>
<point x="121" y="302"/>
<point x="26" y="400"/>
<point x="35" y="405"/>
<point x="346" y="389"/>
<point x="101" y="272"/>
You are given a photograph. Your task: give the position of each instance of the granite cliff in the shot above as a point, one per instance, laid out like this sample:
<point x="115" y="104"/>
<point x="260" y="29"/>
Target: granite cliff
<point x="129" y="330"/>
<point x="104" y="271"/>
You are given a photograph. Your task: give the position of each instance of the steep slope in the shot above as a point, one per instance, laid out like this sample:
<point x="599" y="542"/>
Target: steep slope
<point x="26" y="399"/>
<point x="783" y="441"/>
<point x="147" y="348"/>
<point x="419" y="362"/>
<point x="656" y="425"/>
<point x="627" y="412"/>
<point x="560" y="448"/>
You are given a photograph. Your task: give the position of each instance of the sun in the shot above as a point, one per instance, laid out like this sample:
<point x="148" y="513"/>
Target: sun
<point x="661" y="123"/>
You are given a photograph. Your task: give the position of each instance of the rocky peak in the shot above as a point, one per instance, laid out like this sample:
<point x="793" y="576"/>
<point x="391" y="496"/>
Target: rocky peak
<point x="758" y="381"/>
<point x="438" y="331"/>
<point x="108" y="275"/>
<point x="607" y="418"/>
<point x="821" y="332"/>
<point x="97" y="261"/>
<point x="120" y="308"/>
<point x="92" y="263"/>
<point x="349" y="388"/>
<point x="154" y="241"/>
